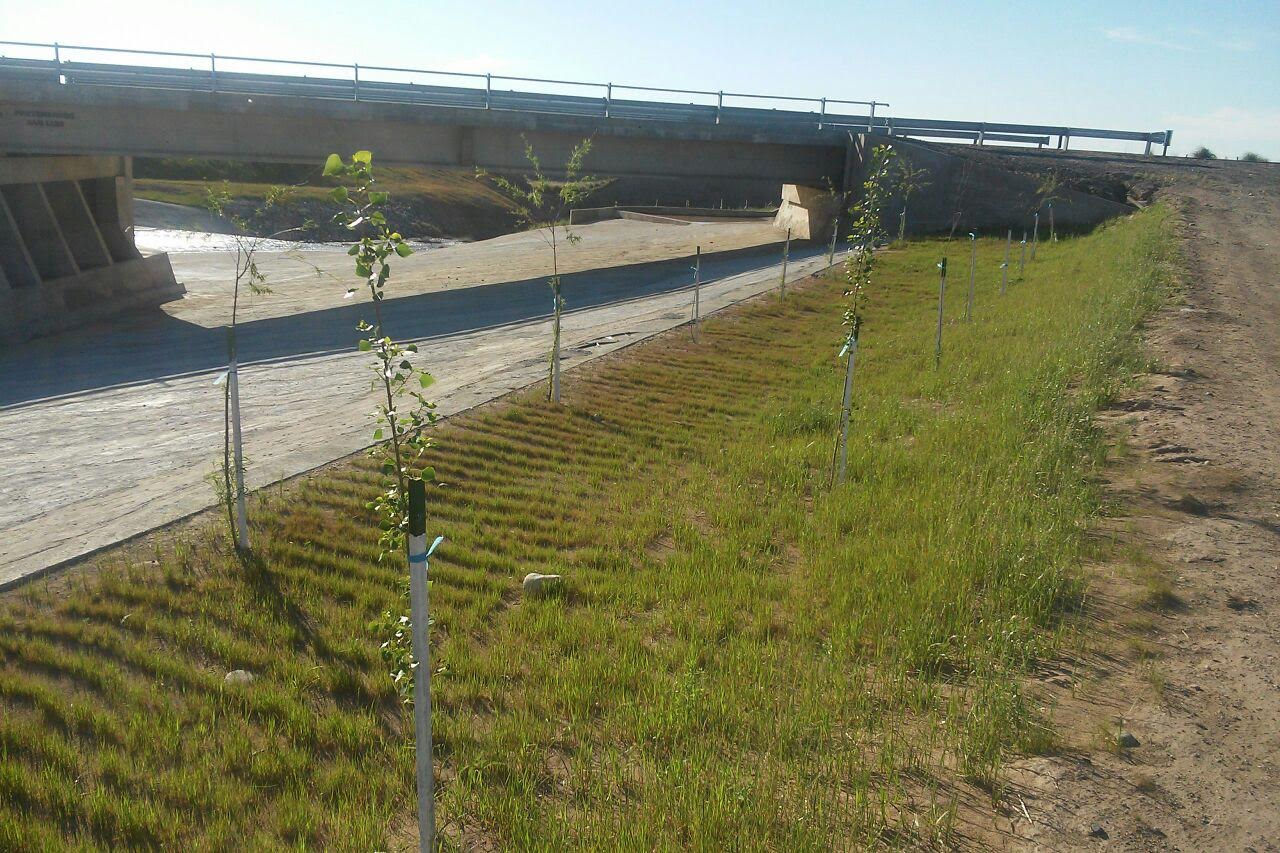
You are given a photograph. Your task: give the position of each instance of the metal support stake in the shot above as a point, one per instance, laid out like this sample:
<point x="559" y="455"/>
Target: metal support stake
<point x="697" y="293"/>
<point x="835" y="232"/>
<point x="418" y="598"/>
<point x="847" y="406"/>
<point x="973" y="272"/>
<point x="555" y="341"/>
<point x="786" y="254"/>
<point x="237" y="452"/>
<point x="608" y="96"/>
<point x="942" y="296"/>
<point x="1022" y="258"/>
<point x="355" y="95"/>
<point x="1004" y="267"/>
<point x="1035" y="235"/>
<point x="488" y="90"/>
<point x="902" y="224"/>
<point x="719" y="106"/>
<point x="1053" y="230"/>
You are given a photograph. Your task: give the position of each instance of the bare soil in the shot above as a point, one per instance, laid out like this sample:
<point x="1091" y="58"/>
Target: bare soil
<point x="1183" y="645"/>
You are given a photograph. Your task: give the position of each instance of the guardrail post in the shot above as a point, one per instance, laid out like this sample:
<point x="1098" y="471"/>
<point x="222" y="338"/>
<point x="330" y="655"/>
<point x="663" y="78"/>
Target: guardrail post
<point x="1066" y="142"/>
<point x="822" y="116"/>
<point x="719" y="106"/>
<point x="1147" y="151"/>
<point x="871" y="119"/>
<point x="355" y="93"/>
<point x="213" y="73"/>
<point x="488" y="90"/>
<point x="608" y="96"/>
<point x="1168" y="135"/>
<point x="57" y="61"/>
<point x="982" y="134"/>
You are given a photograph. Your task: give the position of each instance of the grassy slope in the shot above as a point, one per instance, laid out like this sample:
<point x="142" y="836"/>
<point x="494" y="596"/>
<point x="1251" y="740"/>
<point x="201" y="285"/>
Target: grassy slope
<point x="433" y="202"/>
<point x="746" y="657"/>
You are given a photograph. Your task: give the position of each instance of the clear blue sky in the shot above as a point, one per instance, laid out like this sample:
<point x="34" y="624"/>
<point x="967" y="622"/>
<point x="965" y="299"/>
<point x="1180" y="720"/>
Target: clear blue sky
<point x="1209" y="70"/>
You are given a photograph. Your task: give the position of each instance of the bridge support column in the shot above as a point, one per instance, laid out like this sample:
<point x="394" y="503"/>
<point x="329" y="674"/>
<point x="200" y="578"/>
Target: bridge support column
<point x="67" y="255"/>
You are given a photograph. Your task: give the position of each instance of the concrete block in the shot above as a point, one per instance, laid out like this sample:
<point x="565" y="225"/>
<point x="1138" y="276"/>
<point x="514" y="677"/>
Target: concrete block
<point x="808" y="212"/>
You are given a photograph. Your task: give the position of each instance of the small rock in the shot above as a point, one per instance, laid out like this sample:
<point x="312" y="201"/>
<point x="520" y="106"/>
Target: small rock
<point x="239" y="676"/>
<point x="1127" y="741"/>
<point x="1096" y="831"/>
<point x="536" y="585"/>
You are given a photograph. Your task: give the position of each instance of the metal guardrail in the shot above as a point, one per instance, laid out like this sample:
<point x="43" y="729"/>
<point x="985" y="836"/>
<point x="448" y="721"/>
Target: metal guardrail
<point x="362" y="84"/>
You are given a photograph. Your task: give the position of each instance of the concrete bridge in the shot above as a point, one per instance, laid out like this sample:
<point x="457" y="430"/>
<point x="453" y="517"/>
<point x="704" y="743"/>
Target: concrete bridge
<point x="65" y="251"/>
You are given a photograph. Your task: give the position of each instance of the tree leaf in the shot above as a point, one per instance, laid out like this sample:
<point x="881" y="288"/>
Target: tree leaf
<point x="333" y="165"/>
<point x="339" y="195"/>
<point x="364" y="345"/>
<point x="404" y="250"/>
<point x="426" y="380"/>
<point x="365" y="157"/>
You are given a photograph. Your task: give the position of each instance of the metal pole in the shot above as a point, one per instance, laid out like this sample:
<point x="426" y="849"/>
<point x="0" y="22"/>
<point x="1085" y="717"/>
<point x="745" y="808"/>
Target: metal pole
<point x="1053" y="231"/>
<point x="1147" y="151"/>
<point x="871" y="119"/>
<point x="608" y="96"/>
<point x="1168" y="137"/>
<point x="697" y="293"/>
<point x="822" y="116"/>
<point x="902" y="224"/>
<point x="237" y="451"/>
<point x="835" y="231"/>
<point x="356" y="89"/>
<point x="942" y="296"/>
<point x="418" y="596"/>
<point x="719" y="106"/>
<point x="1022" y="258"/>
<point x="1035" y="235"/>
<point x="846" y="407"/>
<point x="57" y="60"/>
<point x="786" y="253"/>
<point x="973" y="271"/>
<point x="488" y="90"/>
<point x="213" y="73"/>
<point x="555" y="351"/>
<point x="1004" y="267"/>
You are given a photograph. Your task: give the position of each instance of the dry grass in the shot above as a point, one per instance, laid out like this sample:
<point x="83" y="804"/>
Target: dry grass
<point x="745" y="658"/>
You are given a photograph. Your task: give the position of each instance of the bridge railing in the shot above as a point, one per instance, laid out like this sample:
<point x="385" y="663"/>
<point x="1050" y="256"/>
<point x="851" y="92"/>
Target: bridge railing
<point x="246" y="75"/>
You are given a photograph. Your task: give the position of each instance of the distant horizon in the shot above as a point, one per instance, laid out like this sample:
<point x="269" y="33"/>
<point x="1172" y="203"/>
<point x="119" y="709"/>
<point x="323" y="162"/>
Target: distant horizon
<point x="1126" y="72"/>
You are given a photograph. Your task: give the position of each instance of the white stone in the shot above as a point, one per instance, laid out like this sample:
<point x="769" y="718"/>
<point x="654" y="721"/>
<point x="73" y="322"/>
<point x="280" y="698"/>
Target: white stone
<point x="239" y="676"/>
<point x="536" y="585"/>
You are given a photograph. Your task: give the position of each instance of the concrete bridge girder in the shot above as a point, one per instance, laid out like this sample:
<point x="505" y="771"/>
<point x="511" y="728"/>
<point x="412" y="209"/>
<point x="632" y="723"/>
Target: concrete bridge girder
<point x="48" y="118"/>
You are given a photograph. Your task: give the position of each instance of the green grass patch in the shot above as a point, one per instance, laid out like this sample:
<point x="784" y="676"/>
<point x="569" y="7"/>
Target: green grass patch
<point x="744" y="657"/>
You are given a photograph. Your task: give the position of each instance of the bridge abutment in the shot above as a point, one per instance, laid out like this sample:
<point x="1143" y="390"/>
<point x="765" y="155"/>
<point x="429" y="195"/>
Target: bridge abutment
<point x="67" y="255"/>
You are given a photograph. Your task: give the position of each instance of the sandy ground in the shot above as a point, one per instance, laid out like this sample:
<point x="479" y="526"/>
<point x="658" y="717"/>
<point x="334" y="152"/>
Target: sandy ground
<point x="112" y="431"/>
<point x="1194" y="681"/>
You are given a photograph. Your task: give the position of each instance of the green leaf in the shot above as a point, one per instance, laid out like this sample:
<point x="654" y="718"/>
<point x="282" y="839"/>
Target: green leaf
<point x="365" y="157"/>
<point x="354" y="250"/>
<point x="426" y="379"/>
<point x="378" y="197"/>
<point x="364" y="345"/>
<point x="333" y="165"/>
<point x="404" y="250"/>
<point x="377" y="434"/>
<point x="339" y="195"/>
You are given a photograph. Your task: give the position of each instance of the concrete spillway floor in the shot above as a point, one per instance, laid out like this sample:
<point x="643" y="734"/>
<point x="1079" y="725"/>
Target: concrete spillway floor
<point x="111" y="431"/>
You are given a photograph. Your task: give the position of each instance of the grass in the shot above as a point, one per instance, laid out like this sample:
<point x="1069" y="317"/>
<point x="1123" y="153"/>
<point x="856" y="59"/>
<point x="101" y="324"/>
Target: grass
<point x="744" y="658"/>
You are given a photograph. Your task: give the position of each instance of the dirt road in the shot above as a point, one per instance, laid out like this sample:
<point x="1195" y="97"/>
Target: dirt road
<point x="1189" y="660"/>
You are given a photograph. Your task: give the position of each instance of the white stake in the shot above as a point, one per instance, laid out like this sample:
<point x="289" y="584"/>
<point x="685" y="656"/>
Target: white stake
<point x="1004" y="267"/>
<point x="973" y="271"/>
<point x="555" y="343"/>
<point x="1035" y="236"/>
<point x="851" y="348"/>
<point x="942" y="296"/>
<point x="419" y="615"/>
<point x="697" y="293"/>
<point x="237" y="449"/>
<point x="786" y="253"/>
